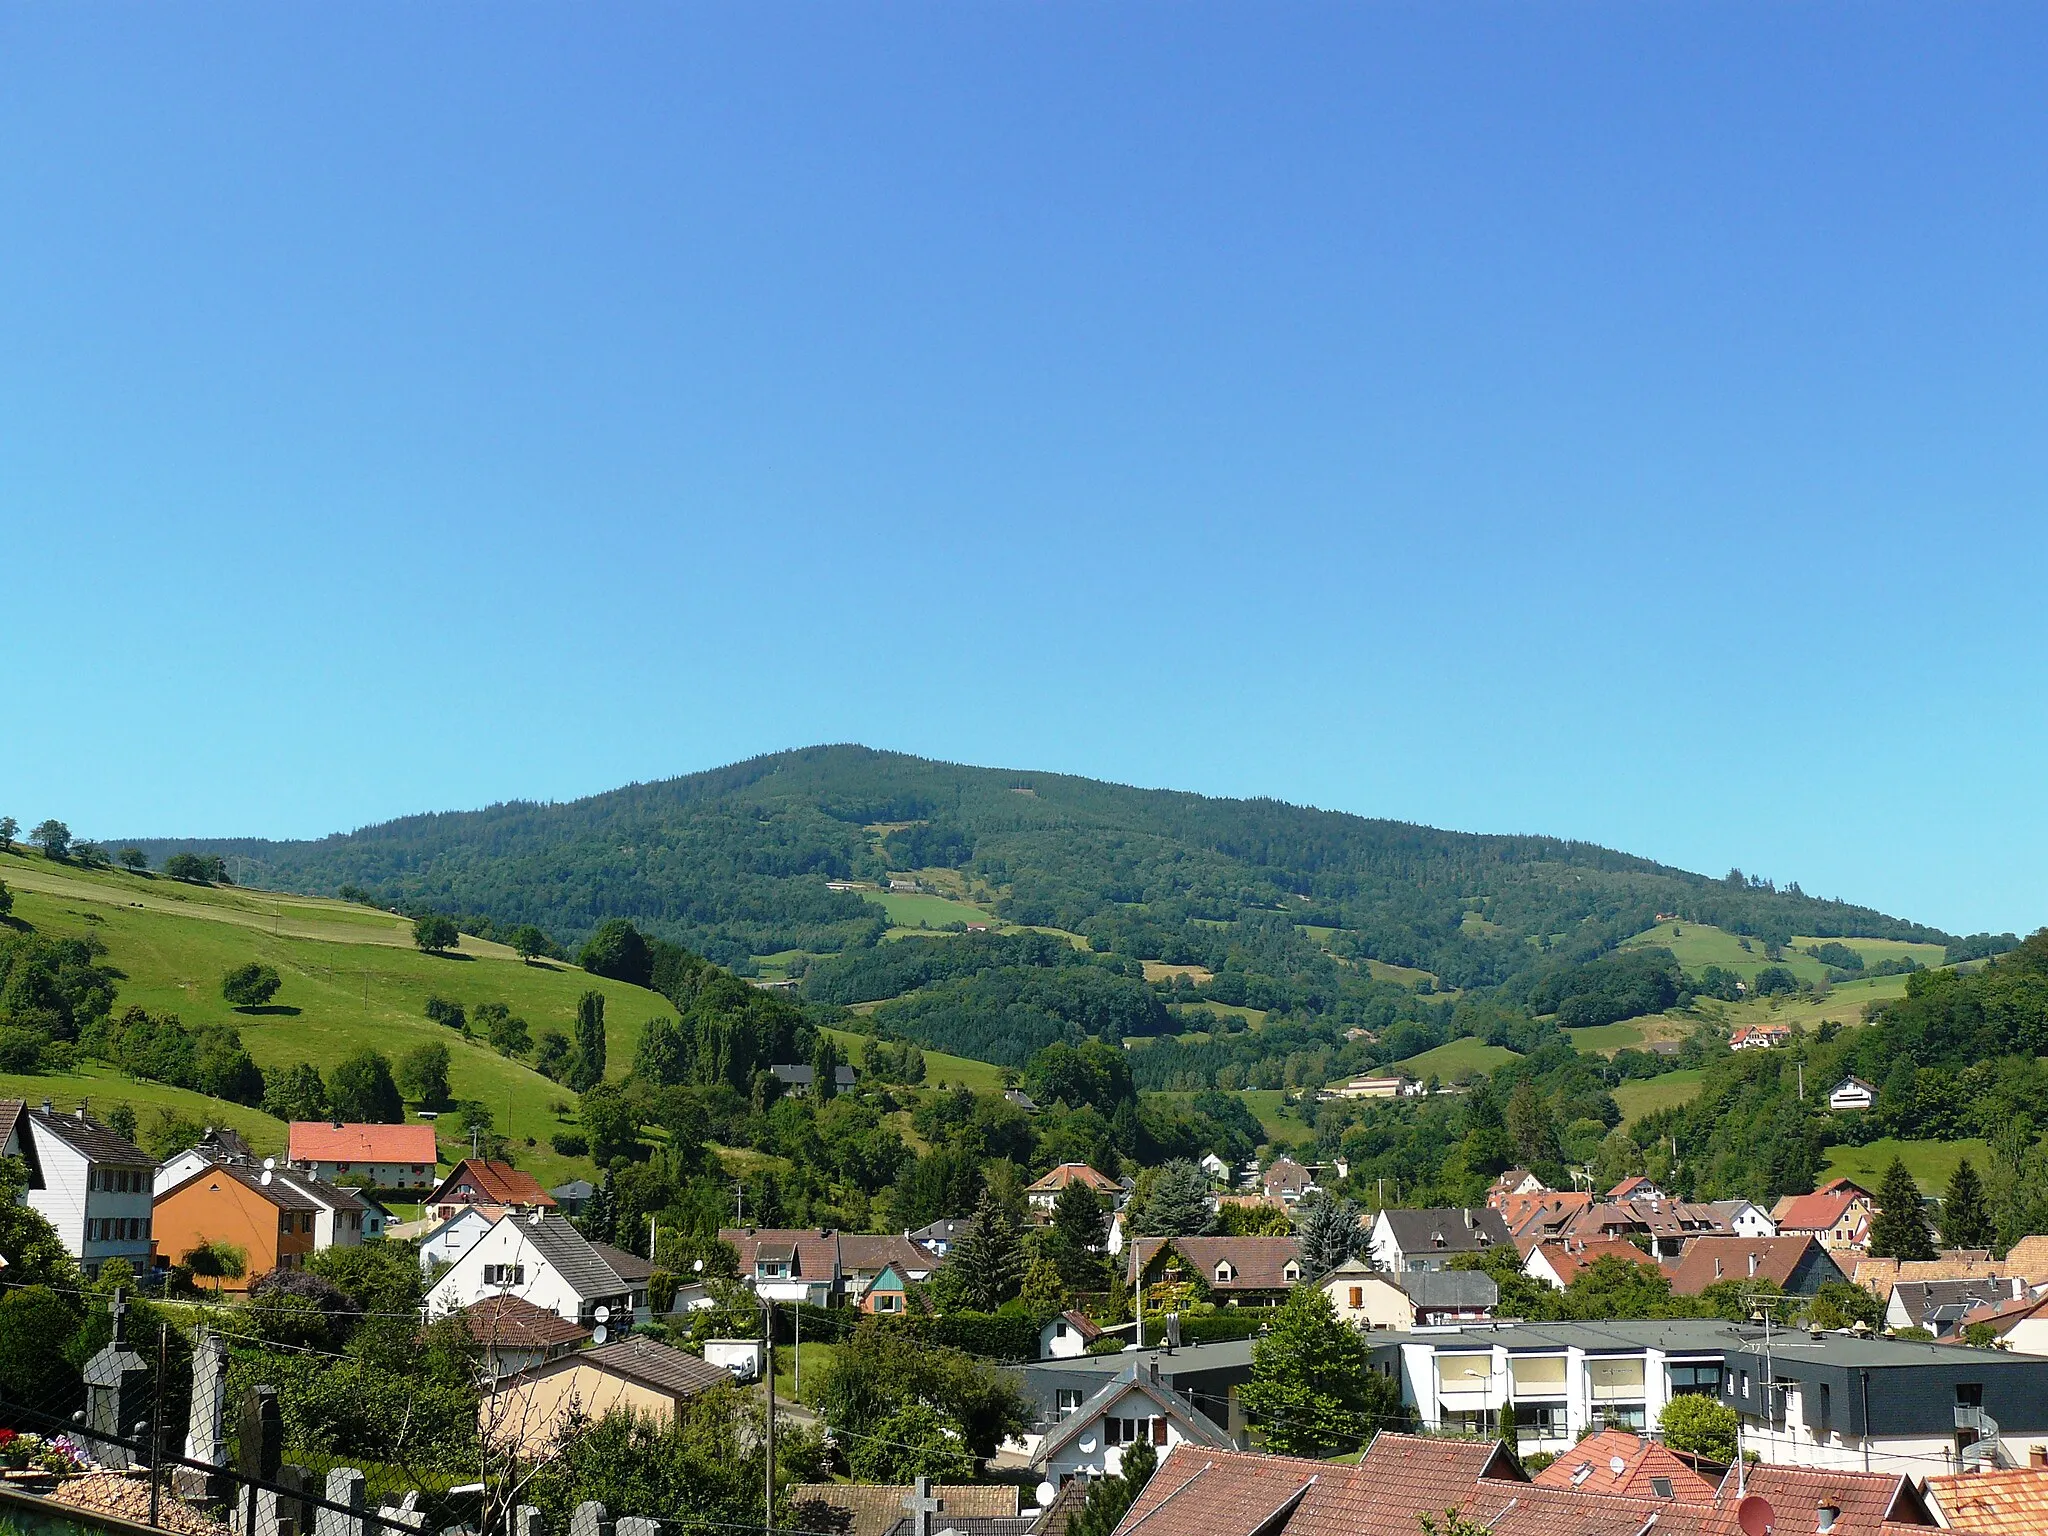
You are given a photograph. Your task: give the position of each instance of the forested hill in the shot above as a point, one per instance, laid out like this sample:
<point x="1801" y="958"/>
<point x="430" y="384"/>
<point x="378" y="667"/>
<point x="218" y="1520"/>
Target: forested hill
<point x="734" y="862"/>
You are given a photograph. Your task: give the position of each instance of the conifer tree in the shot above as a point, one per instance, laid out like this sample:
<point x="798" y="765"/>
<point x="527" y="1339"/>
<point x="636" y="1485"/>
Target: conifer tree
<point x="1900" y="1230"/>
<point x="1329" y="1234"/>
<point x="587" y="1071"/>
<point x="1965" y="1214"/>
<point x="988" y="1262"/>
<point x="1178" y="1205"/>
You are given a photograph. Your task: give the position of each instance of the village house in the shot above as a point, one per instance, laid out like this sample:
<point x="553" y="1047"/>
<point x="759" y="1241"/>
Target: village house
<point x="516" y="1335"/>
<point x="1539" y="1215"/>
<point x="1759" y="1037"/>
<point x="1286" y="1180"/>
<point x="1618" y="1462"/>
<point x="1797" y="1263"/>
<point x="2020" y="1325"/>
<point x="1851" y="1093"/>
<point x="1516" y="1181"/>
<point x="1234" y="1271"/>
<point x="1942" y="1306"/>
<point x="395" y="1157"/>
<point x="877" y="1509"/>
<point x="784" y="1264"/>
<point x="541" y="1259"/>
<point x="1994" y="1501"/>
<point x="530" y="1410"/>
<point x="484" y="1181"/>
<point x="938" y="1238"/>
<point x="638" y="1273"/>
<point x="1067" y="1336"/>
<point x="265" y="1214"/>
<point x="1381" y="1085"/>
<point x="1838" y="1213"/>
<point x="1430" y="1239"/>
<point x="1043" y="1194"/>
<point x="798" y="1078"/>
<point x="1559" y="1263"/>
<point x="443" y="1242"/>
<point x="90" y="1184"/>
<point x="1134" y="1407"/>
<point x="886" y="1295"/>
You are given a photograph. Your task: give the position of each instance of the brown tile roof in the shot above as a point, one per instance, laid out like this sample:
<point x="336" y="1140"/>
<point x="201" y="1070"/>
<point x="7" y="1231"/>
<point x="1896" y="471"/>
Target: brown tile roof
<point x="629" y="1267"/>
<point x="1640" y="1459"/>
<point x="1071" y="1173"/>
<point x="1866" y="1499"/>
<point x="1537" y="1215"/>
<point x="322" y="1141"/>
<point x="655" y="1365"/>
<point x="1569" y="1260"/>
<point x="511" y="1322"/>
<point x="2003" y="1316"/>
<point x="876" y="1507"/>
<point x="1819" y="1211"/>
<point x="1710" y="1259"/>
<point x="871" y="1253"/>
<point x="481" y="1181"/>
<point x="1257" y="1263"/>
<point x="2012" y="1502"/>
<point x="816" y="1250"/>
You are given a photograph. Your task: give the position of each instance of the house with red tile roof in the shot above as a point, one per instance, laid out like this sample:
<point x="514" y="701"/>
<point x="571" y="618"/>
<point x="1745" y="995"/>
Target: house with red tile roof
<point x="1043" y="1194"/>
<point x="1759" y="1037"/>
<point x="1540" y="1215"/>
<point x="485" y="1181"/>
<point x="1838" y="1213"/>
<point x="1797" y="1263"/>
<point x="1616" y="1461"/>
<point x="379" y="1156"/>
<point x="2005" y="1501"/>
<point x="1636" y="1187"/>
<point x="1560" y="1263"/>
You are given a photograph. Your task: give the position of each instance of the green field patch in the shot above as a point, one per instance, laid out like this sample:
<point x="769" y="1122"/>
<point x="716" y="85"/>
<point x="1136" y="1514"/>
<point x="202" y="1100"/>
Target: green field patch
<point x="917" y="909"/>
<point x="1874" y="950"/>
<point x="1842" y="1003"/>
<point x="1930" y="1162"/>
<point x="100" y="1087"/>
<point x="1269" y="1108"/>
<point x="1253" y="1017"/>
<point x="1457" y="1057"/>
<point x="1645" y="1096"/>
<point x="982" y="1076"/>
<point x="1699" y="945"/>
<point x="1405" y="975"/>
<point x="1606" y="1039"/>
<point x="352" y="994"/>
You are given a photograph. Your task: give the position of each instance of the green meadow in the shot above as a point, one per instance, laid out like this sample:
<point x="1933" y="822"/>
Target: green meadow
<point x="1645" y="1096"/>
<point x="1456" y="1057"/>
<point x="1930" y="1162"/>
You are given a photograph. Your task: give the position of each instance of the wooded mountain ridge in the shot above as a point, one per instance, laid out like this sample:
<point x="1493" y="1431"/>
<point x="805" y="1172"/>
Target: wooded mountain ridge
<point x="734" y="862"/>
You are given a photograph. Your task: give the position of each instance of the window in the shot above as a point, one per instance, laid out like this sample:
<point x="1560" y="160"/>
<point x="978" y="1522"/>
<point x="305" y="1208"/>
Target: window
<point x="1357" y="1296"/>
<point x="1661" y="1487"/>
<point x="504" y="1274"/>
<point x="1544" y="1421"/>
<point x="1291" y="1273"/>
<point x="1059" y="1329"/>
<point x="1066" y="1400"/>
<point x="1224" y="1273"/>
<point x="1702" y="1376"/>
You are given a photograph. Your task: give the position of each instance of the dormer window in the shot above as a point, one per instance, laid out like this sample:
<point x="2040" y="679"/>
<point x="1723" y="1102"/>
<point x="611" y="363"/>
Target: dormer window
<point x="1224" y="1273"/>
<point x="1291" y="1273"/>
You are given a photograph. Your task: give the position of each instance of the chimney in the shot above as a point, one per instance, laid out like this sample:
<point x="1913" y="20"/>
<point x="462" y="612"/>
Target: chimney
<point x="46" y="1106"/>
<point x="1829" y="1514"/>
<point x="1752" y="1263"/>
<point x="1717" y="1269"/>
<point x="2037" y="1456"/>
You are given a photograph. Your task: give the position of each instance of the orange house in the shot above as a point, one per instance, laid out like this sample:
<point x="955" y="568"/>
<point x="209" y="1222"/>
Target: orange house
<point x="266" y="1217"/>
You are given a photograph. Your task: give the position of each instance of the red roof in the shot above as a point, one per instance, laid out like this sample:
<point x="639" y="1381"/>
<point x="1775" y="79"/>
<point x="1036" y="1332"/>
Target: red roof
<point x="1707" y="1260"/>
<point x="512" y="1323"/>
<point x="1071" y="1173"/>
<point x="1567" y="1263"/>
<point x="324" y="1142"/>
<point x="1821" y="1210"/>
<point x="479" y="1181"/>
<point x="1590" y="1465"/>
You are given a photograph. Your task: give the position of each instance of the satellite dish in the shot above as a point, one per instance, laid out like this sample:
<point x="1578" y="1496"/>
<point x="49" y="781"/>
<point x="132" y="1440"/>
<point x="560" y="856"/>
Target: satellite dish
<point x="1045" y="1493"/>
<point x="604" y="1314"/>
<point x="1616" y="1465"/>
<point x="599" y="1334"/>
<point x="1755" y="1515"/>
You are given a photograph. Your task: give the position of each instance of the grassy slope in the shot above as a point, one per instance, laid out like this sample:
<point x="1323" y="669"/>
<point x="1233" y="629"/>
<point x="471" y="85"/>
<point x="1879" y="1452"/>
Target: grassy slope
<point x="1462" y="1055"/>
<point x="938" y="1066"/>
<point x="1647" y="1095"/>
<point x="101" y="1087"/>
<point x="350" y="973"/>
<point x="1930" y="1162"/>
<point x="1697" y="946"/>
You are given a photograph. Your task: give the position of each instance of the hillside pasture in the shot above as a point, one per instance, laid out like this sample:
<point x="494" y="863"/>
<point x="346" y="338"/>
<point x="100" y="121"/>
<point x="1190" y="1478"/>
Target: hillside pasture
<point x="919" y="909"/>
<point x="100" y="1087"/>
<point x="1645" y="1096"/>
<point x="342" y="995"/>
<point x="1456" y="1057"/>
<point x="1930" y="1162"/>
<point x="982" y="1076"/>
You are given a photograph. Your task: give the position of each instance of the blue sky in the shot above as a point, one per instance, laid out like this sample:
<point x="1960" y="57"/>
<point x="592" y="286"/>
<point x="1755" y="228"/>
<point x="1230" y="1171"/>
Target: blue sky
<point x="1616" y="421"/>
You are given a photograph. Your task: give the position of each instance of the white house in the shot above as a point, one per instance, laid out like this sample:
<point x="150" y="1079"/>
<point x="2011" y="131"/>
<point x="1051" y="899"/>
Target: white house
<point x="1745" y="1218"/>
<point x="1430" y="1239"/>
<point x="1134" y="1407"/>
<point x="1218" y="1170"/>
<point x="543" y="1260"/>
<point x="94" y="1187"/>
<point x="1065" y="1336"/>
<point x="377" y="1156"/>
<point x="1851" y="1093"/>
<point x="447" y="1241"/>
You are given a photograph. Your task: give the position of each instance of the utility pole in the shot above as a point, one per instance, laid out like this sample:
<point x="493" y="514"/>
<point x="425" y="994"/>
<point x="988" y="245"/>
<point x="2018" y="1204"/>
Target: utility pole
<point x="739" y="1203"/>
<point x="768" y="1354"/>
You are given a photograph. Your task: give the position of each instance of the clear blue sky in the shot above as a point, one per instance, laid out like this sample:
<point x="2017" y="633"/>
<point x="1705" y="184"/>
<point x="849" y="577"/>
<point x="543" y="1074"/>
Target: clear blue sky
<point x="1617" y="421"/>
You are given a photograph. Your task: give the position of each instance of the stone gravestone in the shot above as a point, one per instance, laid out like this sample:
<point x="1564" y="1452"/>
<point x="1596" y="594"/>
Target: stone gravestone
<point x="259" y="1455"/>
<point x="113" y="1393"/>
<point x="636" y="1525"/>
<point x="589" y="1520"/>
<point x="206" y="1431"/>
<point x="526" y="1521"/>
<point x="345" y="1488"/>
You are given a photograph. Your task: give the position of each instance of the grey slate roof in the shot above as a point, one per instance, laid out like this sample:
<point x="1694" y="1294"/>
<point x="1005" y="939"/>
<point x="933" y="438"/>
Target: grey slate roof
<point x="655" y="1365"/>
<point x="1940" y="1304"/>
<point x="1448" y="1231"/>
<point x="629" y="1267"/>
<point x="572" y="1257"/>
<point x="89" y="1137"/>
<point x="800" y="1075"/>
<point x="1449" y="1288"/>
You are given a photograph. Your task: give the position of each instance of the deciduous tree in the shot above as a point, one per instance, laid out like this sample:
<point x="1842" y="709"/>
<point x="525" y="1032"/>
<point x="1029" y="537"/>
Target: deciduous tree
<point x="53" y="837"/>
<point x="1700" y="1425"/>
<point x="434" y="934"/>
<point x="250" y="985"/>
<point x="423" y="1074"/>
<point x="1310" y="1390"/>
<point x="362" y="1089"/>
